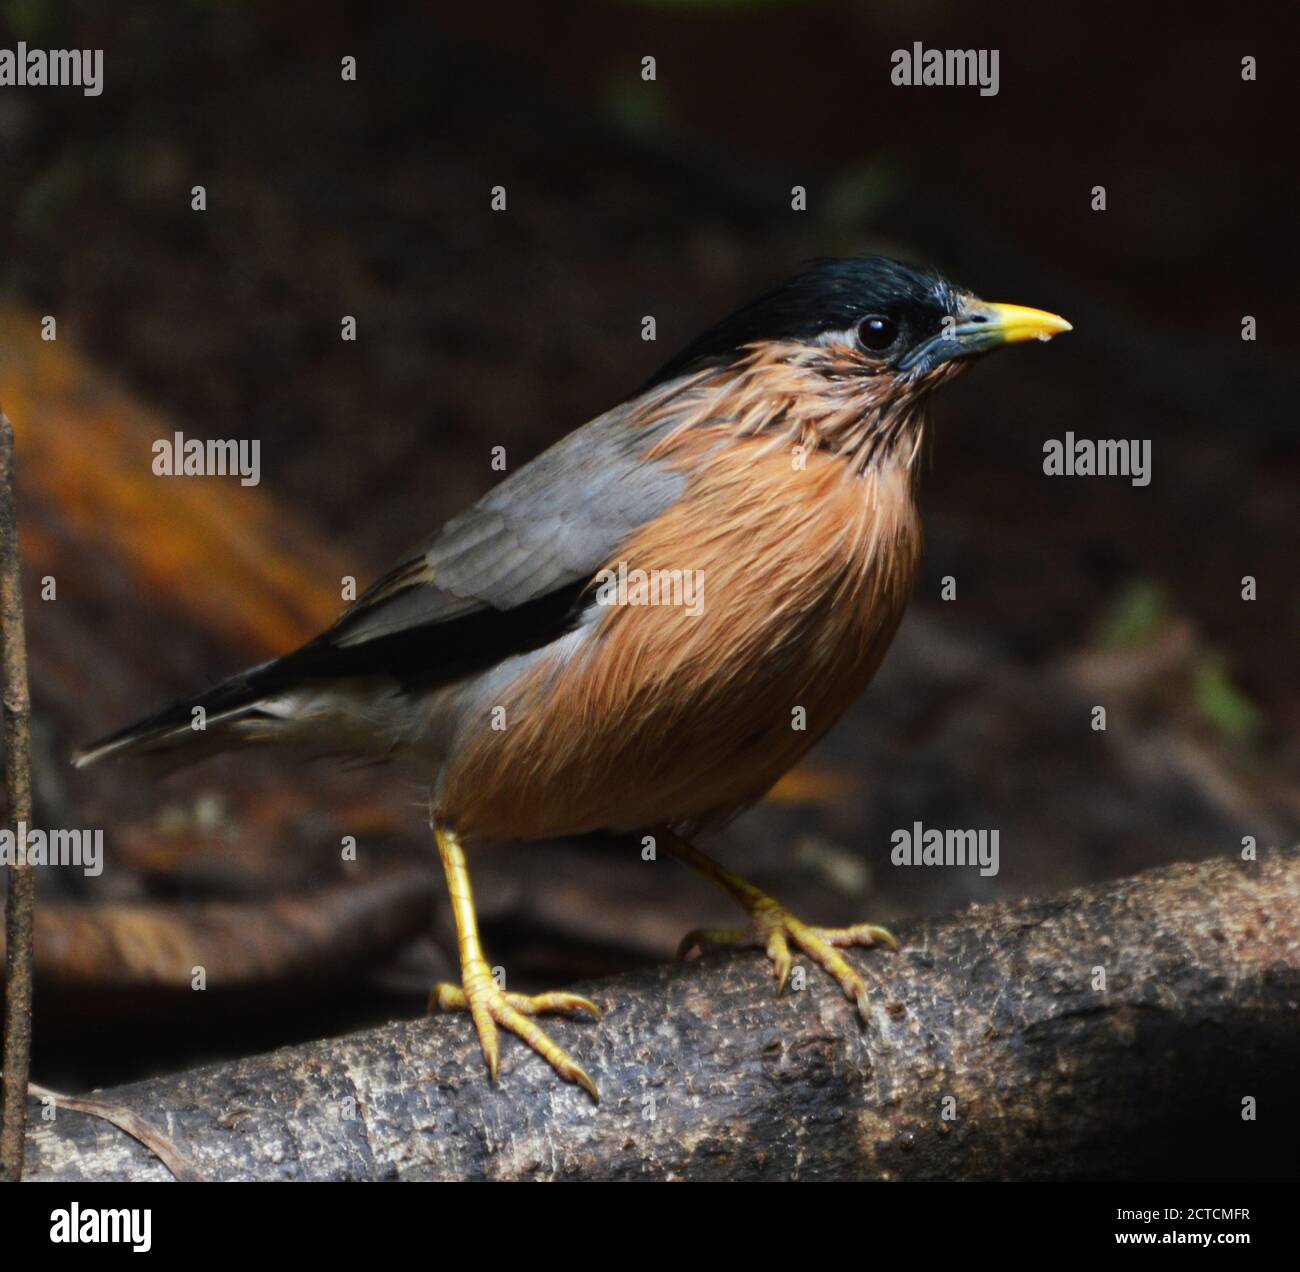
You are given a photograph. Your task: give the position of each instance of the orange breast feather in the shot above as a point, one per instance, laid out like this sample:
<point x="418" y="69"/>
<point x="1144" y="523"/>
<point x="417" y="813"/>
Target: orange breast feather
<point x="661" y="714"/>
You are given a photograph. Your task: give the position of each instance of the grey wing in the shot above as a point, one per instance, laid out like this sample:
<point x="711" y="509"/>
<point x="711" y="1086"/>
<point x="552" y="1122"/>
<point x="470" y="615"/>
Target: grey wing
<point x="503" y="578"/>
<point x="505" y="575"/>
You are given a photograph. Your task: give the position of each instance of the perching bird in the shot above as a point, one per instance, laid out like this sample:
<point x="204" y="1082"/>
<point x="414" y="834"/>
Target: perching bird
<point x="772" y="465"/>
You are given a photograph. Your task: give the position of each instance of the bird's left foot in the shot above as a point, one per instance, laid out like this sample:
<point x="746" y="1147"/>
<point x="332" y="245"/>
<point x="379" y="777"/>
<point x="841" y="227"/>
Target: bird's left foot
<point x="773" y="928"/>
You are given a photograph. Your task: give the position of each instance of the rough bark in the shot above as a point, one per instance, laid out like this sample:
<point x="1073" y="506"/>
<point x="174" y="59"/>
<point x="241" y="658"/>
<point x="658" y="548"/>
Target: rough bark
<point x="994" y="1016"/>
<point x="20" y="900"/>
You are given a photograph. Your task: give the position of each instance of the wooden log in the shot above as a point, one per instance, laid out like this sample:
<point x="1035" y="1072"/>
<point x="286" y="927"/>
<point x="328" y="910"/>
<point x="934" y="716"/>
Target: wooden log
<point x="1118" y="1031"/>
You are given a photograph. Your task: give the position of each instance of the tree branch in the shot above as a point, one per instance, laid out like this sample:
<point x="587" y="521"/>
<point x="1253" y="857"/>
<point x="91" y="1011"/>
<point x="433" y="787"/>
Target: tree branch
<point x="1119" y="1031"/>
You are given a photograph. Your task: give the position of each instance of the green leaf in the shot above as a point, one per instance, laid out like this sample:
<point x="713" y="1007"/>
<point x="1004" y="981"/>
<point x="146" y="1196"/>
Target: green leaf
<point x="1224" y="706"/>
<point x="1135" y="616"/>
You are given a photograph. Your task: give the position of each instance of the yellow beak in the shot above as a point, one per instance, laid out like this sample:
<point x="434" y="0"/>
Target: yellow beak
<point x="982" y="326"/>
<point x="1013" y="323"/>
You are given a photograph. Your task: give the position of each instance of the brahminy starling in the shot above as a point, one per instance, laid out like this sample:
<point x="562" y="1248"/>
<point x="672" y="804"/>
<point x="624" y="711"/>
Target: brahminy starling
<point x="775" y="461"/>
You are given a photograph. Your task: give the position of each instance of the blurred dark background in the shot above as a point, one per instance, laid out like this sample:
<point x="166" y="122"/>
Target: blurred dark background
<point x="478" y="329"/>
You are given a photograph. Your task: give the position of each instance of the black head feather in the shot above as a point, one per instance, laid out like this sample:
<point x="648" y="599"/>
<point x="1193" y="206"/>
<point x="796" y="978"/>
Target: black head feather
<point x="830" y="295"/>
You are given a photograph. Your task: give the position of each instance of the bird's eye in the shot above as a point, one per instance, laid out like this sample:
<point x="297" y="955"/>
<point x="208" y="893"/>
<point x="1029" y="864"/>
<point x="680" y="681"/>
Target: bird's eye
<point x="877" y="333"/>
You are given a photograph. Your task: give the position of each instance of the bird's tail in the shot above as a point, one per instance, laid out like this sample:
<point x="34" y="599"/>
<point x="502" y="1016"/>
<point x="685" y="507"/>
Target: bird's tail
<point x="185" y="732"/>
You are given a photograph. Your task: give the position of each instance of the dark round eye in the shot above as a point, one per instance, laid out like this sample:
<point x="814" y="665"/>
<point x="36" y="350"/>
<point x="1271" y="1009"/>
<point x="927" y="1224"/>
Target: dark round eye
<point x="877" y="333"/>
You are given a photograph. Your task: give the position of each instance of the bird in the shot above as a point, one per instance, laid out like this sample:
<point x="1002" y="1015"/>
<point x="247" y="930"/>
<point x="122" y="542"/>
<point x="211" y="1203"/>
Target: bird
<point x="642" y="629"/>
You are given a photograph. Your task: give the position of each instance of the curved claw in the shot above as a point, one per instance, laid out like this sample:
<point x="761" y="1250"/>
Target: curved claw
<point x="773" y="928"/>
<point x="490" y="1007"/>
<point x="778" y="950"/>
<point x="859" y="934"/>
<point x="523" y="1027"/>
<point x="536" y="1004"/>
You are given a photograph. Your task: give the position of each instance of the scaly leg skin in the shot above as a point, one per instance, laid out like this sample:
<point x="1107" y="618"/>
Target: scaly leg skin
<point x="772" y="928"/>
<point x="479" y="994"/>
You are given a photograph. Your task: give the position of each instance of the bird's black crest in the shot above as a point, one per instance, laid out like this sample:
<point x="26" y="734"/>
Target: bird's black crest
<point x="829" y="295"/>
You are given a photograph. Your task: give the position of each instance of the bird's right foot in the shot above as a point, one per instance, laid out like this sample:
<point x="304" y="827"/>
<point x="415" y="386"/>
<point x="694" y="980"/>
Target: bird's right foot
<point x="490" y="1006"/>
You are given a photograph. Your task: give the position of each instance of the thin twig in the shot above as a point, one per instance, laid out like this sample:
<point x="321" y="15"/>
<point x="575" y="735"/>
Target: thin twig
<point x="20" y="906"/>
<point x="132" y="1123"/>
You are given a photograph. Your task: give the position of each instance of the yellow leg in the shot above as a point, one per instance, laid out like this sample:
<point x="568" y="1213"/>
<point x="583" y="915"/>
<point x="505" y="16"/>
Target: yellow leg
<point x="479" y="994"/>
<point x="772" y="927"/>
